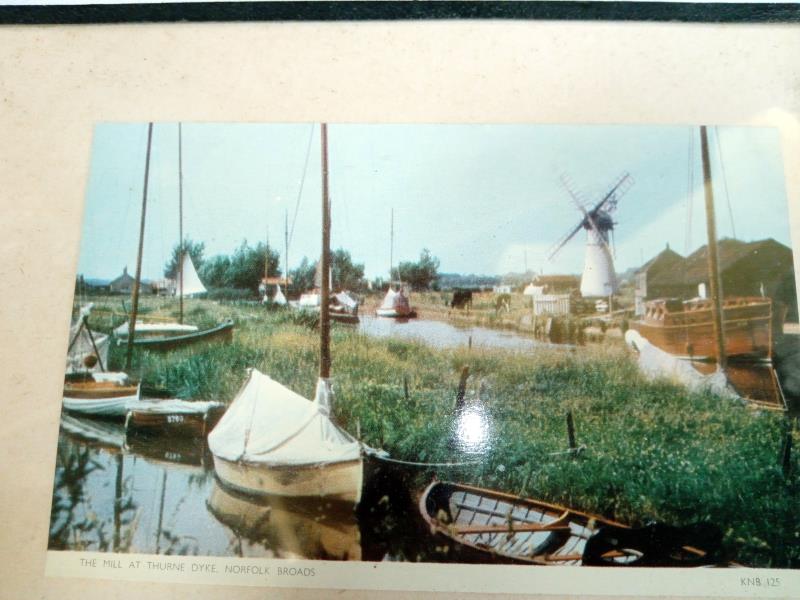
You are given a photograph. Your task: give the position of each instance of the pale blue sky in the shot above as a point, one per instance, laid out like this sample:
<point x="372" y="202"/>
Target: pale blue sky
<point x="480" y="197"/>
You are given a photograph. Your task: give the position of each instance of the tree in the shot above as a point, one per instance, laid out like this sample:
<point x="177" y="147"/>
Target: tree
<point x="346" y="274"/>
<point x="243" y="270"/>
<point x="420" y="275"/>
<point x="194" y="249"/>
<point x="215" y="272"/>
<point x="247" y="265"/>
<point x="303" y="275"/>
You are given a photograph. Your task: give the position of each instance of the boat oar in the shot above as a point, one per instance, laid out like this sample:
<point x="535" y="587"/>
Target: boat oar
<point x="504" y="528"/>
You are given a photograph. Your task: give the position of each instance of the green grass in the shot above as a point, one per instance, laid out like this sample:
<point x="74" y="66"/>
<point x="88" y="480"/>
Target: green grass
<point x="653" y="450"/>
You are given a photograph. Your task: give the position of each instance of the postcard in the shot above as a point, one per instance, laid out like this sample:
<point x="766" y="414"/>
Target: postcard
<point x="529" y="345"/>
<point x="441" y="339"/>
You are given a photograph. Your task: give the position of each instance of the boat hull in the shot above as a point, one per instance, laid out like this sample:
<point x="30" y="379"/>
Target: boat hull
<point x="689" y="333"/>
<point x="114" y="404"/>
<point x="468" y="507"/>
<point x="339" y="480"/>
<point x="182" y="422"/>
<point x="391" y="313"/>
<point x="221" y="333"/>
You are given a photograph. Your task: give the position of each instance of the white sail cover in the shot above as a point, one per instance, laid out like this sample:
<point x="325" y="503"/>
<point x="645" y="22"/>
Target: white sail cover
<point x="81" y="345"/>
<point x="279" y="298"/>
<point x="271" y="425"/>
<point x="388" y="299"/>
<point x="346" y="300"/>
<point x="396" y="301"/>
<point x="191" y="280"/>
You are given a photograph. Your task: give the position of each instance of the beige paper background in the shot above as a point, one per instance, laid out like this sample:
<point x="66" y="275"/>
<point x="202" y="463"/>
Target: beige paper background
<point x="55" y="82"/>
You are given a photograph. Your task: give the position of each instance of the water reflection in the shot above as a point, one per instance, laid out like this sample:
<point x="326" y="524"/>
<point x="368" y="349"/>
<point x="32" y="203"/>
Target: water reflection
<point x="115" y="493"/>
<point x="288" y="527"/>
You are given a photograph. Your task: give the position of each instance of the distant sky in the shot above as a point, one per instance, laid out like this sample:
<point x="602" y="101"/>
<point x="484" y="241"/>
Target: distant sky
<point x="484" y="199"/>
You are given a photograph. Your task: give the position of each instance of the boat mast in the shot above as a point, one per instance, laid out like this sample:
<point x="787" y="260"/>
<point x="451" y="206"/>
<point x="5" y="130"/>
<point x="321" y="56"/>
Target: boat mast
<point x="286" y="251"/>
<point x="713" y="262"/>
<point x="324" y="321"/>
<point x="137" y="279"/>
<point x="391" y="247"/>
<point x="180" y="222"/>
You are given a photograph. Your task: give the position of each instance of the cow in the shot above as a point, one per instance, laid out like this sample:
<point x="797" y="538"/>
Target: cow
<point x="461" y="299"/>
<point x="502" y="302"/>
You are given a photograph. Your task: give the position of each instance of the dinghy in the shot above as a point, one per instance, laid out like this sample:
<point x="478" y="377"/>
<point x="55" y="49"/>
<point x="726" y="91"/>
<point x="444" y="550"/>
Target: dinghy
<point x="174" y="417"/>
<point x="395" y="305"/>
<point x="486" y="526"/>
<point x="109" y="395"/>
<point x="272" y="441"/>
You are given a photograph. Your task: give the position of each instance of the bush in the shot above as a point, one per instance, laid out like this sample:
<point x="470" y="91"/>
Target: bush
<point x="229" y="293"/>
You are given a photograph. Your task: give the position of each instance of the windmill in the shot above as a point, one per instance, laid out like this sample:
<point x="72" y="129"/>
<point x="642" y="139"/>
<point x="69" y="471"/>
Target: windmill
<point x="599" y="278"/>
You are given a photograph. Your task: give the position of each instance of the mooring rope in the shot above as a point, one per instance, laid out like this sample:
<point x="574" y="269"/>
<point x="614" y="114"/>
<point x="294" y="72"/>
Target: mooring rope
<point x="410" y="463"/>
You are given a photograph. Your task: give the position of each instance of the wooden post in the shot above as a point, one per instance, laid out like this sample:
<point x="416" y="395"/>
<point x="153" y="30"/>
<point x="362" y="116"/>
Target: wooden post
<point x="324" y="309"/>
<point x="571" y="432"/>
<point x="405" y="387"/>
<point x="713" y="262"/>
<point x="462" y="388"/>
<point x="180" y="221"/>
<point x="137" y="280"/>
<point x="469" y="343"/>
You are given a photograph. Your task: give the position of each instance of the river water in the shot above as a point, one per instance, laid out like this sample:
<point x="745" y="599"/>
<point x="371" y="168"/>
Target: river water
<point x="118" y="493"/>
<point x="440" y="334"/>
<point x="122" y="494"/>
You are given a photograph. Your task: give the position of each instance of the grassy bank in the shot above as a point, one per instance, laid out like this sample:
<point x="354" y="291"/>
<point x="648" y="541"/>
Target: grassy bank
<point x="653" y="450"/>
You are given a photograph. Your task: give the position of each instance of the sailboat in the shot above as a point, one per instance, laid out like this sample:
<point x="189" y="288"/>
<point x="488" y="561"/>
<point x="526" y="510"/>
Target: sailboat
<point x="395" y="304"/>
<point x="168" y="336"/>
<point x="342" y="307"/>
<point x="271" y="440"/>
<point x="732" y="335"/>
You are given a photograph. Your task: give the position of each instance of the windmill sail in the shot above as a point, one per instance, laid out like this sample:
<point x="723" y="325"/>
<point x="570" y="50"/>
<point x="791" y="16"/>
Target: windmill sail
<point x="191" y="280"/>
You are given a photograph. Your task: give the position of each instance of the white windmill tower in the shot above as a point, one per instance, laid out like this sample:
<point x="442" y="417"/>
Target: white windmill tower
<point x="599" y="278"/>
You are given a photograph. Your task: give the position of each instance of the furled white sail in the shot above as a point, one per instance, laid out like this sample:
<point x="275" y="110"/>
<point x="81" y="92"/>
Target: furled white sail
<point x="346" y="301"/>
<point x="270" y="425"/>
<point x="191" y="280"/>
<point x="279" y="298"/>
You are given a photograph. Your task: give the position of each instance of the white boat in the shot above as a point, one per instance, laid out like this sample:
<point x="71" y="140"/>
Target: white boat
<point x="109" y="395"/>
<point x="395" y="305"/>
<point x="152" y="330"/>
<point x="272" y="441"/>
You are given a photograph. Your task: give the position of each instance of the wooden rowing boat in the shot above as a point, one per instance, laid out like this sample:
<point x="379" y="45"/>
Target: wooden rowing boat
<point x="109" y="395"/>
<point x="173" y="417"/>
<point x="686" y="329"/>
<point x="485" y="526"/>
